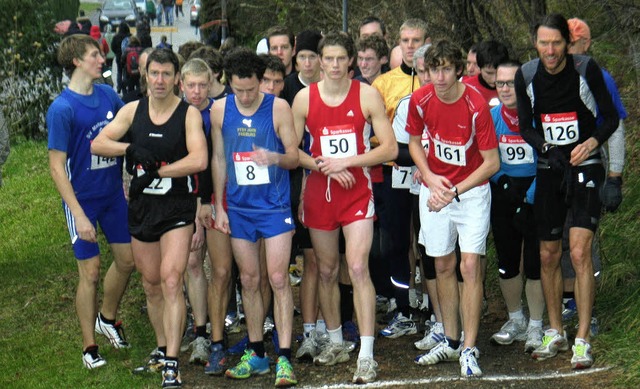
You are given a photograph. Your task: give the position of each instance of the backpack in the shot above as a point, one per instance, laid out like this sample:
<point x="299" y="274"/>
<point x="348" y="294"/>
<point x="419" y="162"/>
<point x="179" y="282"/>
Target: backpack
<point x="132" y="62"/>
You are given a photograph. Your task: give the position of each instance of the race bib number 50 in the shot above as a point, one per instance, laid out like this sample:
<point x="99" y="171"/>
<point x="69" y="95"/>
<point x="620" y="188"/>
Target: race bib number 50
<point x="560" y="128"/>
<point x="338" y="141"/>
<point x="247" y="171"/>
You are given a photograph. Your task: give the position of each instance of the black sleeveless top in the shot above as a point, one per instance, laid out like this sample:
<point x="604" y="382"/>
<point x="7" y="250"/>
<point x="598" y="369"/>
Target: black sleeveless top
<point x="168" y="142"/>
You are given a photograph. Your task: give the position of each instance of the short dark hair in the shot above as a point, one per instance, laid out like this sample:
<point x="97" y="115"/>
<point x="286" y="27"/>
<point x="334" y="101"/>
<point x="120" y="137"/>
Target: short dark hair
<point x="243" y="63"/>
<point x="491" y="53"/>
<point x="510" y="63"/>
<point x="441" y="51"/>
<point x="374" y="19"/>
<point x="557" y="22"/>
<point x="338" y="38"/>
<point x="163" y="56"/>
<point x="375" y="43"/>
<point x="281" y="30"/>
<point x="189" y="47"/>
<point x="274" y="64"/>
<point x="212" y="57"/>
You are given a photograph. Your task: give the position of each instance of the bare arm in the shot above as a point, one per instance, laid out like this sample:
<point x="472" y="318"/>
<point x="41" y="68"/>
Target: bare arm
<point x="107" y="142"/>
<point x="283" y="123"/>
<point x="57" y="162"/>
<point x="196" y="159"/>
<point x="490" y="165"/>
<point x="300" y="110"/>
<point x="219" y="165"/>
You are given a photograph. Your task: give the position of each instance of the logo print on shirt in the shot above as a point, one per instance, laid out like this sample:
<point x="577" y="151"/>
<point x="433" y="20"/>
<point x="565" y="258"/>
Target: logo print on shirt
<point x="154" y="135"/>
<point x="247" y="122"/>
<point x="109" y="115"/>
<point x="350" y="113"/>
<point x="325" y="131"/>
<point x="288" y="220"/>
<point x="359" y="213"/>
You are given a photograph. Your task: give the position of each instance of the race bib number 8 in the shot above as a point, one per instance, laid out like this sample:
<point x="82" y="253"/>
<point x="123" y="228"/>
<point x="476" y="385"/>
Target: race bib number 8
<point x="338" y="142"/>
<point x="248" y="172"/>
<point x="560" y="128"/>
<point x="450" y="154"/>
<point x="98" y="162"/>
<point x="514" y="150"/>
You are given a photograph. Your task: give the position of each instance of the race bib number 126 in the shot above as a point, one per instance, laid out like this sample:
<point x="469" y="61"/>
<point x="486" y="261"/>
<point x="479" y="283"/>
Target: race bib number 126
<point x="560" y="128"/>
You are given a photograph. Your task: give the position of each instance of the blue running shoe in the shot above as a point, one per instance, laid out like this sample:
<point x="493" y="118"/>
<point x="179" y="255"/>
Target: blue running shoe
<point x="249" y="364"/>
<point x="240" y="347"/>
<point x="216" y="365"/>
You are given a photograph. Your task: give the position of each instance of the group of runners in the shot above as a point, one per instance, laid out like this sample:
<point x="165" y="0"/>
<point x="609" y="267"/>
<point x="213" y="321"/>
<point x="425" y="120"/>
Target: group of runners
<point x="435" y="156"/>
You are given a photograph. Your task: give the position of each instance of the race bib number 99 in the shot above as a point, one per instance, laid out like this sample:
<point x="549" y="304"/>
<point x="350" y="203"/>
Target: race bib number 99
<point x="338" y="142"/>
<point x="248" y="172"/>
<point x="560" y="128"/>
<point x="514" y="150"/>
<point x="449" y="153"/>
<point x="98" y="162"/>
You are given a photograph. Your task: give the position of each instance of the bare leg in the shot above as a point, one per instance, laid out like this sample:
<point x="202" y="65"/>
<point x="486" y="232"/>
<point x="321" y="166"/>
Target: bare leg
<point x="278" y="250"/>
<point x="447" y="285"/>
<point x="147" y="259"/>
<point x="471" y="298"/>
<point x="247" y="255"/>
<point x="325" y="245"/>
<point x="86" y="298"/>
<point x="219" y="246"/>
<point x="580" y="240"/>
<point x="309" y="288"/>
<point x="116" y="279"/>
<point x="551" y="277"/>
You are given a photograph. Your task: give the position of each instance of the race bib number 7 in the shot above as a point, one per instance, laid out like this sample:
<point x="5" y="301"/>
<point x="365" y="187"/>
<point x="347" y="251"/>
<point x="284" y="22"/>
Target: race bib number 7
<point x="560" y="128"/>
<point x="338" y="142"/>
<point x="248" y="172"/>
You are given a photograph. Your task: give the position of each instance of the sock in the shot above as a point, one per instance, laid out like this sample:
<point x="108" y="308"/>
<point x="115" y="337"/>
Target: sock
<point x="201" y="331"/>
<point x="535" y="323"/>
<point x="425" y="299"/>
<point x="346" y="302"/>
<point x="413" y="297"/>
<point x="366" y="347"/>
<point x="517" y="315"/>
<point x="335" y="335"/>
<point x="580" y="341"/>
<point x="307" y="328"/>
<point x="285" y="352"/>
<point x="321" y="326"/>
<point x="169" y="359"/>
<point x="454" y="344"/>
<point x="220" y="342"/>
<point x="162" y="349"/>
<point x="258" y="347"/>
<point x="104" y="319"/>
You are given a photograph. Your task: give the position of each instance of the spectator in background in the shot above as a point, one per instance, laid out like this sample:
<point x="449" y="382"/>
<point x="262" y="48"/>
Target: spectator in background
<point x="178" y="8"/>
<point x="472" y="62"/>
<point x="143" y="32"/>
<point x="116" y="45"/>
<point x="150" y="8"/>
<point x="164" y="44"/>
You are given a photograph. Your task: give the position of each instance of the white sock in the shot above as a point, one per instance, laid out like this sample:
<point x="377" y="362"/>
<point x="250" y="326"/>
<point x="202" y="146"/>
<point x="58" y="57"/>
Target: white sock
<point x="517" y="315"/>
<point x="366" y="347"/>
<point x="321" y="327"/>
<point x="535" y="323"/>
<point x="425" y="299"/>
<point x="307" y="328"/>
<point x="335" y="335"/>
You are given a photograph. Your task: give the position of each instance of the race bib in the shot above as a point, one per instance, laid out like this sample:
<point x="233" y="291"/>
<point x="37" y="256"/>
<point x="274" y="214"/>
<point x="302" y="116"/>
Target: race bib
<point x="159" y="186"/>
<point x="98" y="162"/>
<point x="248" y="172"/>
<point x="514" y="150"/>
<point x="401" y="177"/>
<point x="560" y="128"/>
<point x="338" y="141"/>
<point x="450" y="153"/>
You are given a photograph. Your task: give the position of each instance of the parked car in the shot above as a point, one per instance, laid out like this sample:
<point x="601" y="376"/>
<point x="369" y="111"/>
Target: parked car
<point x="195" y="12"/>
<point x="115" y="12"/>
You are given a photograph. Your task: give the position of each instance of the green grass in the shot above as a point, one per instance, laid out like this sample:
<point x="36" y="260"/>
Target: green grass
<point x="89" y="8"/>
<point x="41" y="344"/>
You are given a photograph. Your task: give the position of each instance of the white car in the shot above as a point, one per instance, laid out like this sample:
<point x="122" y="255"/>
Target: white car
<point x="142" y="6"/>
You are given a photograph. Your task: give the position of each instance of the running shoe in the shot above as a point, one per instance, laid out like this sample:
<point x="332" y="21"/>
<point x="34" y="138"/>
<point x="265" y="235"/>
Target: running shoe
<point x="382" y="303"/>
<point x="200" y="353"/>
<point x="171" y="375"/>
<point x="552" y="342"/>
<point x="216" y="365"/>
<point x="91" y="358"/>
<point x="469" y="363"/>
<point x="232" y="323"/>
<point x="414" y="301"/>
<point x="240" y="347"/>
<point x="308" y="348"/>
<point x="249" y="364"/>
<point x="399" y="326"/>
<point x="582" y="357"/>
<point x="440" y="353"/>
<point x="154" y="364"/>
<point x="113" y="332"/>
<point x="512" y="330"/>
<point x="268" y="325"/>
<point x="432" y="337"/>
<point x="331" y="354"/>
<point x="284" y="373"/>
<point x="570" y="310"/>
<point x="189" y="334"/>
<point x="534" y="339"/>
<point x="366" y="371"/>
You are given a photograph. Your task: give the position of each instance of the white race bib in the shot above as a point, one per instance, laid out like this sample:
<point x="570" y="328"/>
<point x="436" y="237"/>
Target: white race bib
<point x="98" y="162"/>
<point x="560" y="128"/>
<point x="401" y="177"/>
<point x="248" y="172"/>
<point x="449" y="153"/>
<point x="338" y="141"/>
<point x="158" y="186"/>
<point x="514" y="150"/>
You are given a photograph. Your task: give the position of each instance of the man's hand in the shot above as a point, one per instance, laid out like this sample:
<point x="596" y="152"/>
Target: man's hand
<point x="581" y="152"/>
<point x="264" y="157"/>
<point x="205" y="217"/>
<point x="557" y="161"/>
<point x="85" y="230"/>
<point x="330" y="166"/>
<point x="139" y="183"/>
<point x="611" y="193"/>
<point x="197" y="239"/>
<point x="222" y="220"/>
<point x="138" y="155"/>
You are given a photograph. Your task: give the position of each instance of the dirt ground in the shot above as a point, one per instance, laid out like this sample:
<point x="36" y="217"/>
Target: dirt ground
<point x="503" y="366"/>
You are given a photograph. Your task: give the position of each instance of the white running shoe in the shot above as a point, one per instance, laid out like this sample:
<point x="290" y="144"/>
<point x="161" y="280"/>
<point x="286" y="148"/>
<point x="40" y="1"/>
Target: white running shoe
<point x="534" y="339"/>
<point x="469" y="363"/>
<point x="91" y="358"/>
<point x="332" y="354"/>
<point x="399" y="326"/>
<point x="432" y="337"/>
<point x="200" y="353"/>
<point x="113" y="332"/>
<point x="440" y="353"/>
<point x="366" y="371"/>
<point x="552" y="342"/>
<point x="582" y="357"/>
<point x="511" y="330"/>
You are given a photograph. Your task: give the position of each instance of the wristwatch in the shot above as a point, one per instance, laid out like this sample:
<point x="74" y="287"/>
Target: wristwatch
<point x="455" y="190"/>
<point x="546" y="147"/>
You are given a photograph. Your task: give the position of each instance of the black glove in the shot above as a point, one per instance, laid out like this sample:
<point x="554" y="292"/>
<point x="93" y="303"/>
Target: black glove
<point x="557" y="160"/>
<point x="611" y="193"/>
<point x="510" y="191"/>
<point x="138" y="183"/>
<point x="139" y="155"/>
